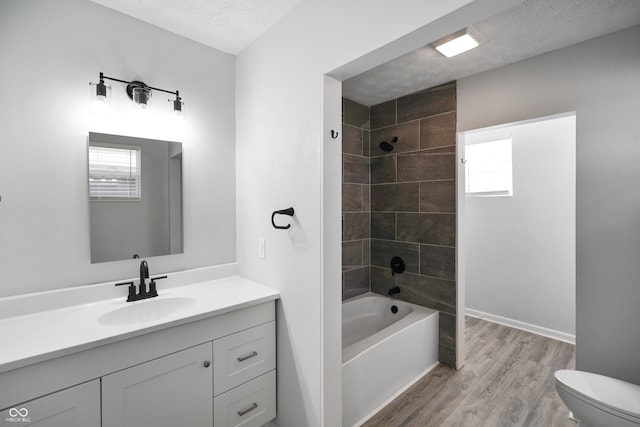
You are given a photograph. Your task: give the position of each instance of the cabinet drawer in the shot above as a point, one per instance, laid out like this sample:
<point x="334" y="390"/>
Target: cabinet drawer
<point x="243" y="356"/>
<point x="251" y="404"/>
<point x="77" y="406"/>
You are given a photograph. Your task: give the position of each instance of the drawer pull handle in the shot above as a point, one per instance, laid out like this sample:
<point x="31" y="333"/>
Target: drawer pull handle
<point x="249" y="409"/>
<point x="248" y="356"/>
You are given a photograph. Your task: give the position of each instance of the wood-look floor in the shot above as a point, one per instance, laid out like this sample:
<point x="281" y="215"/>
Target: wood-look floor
<point x="507" y="381"/>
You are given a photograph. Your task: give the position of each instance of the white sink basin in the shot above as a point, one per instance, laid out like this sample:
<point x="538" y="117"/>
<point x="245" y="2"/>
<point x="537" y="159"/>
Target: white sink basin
<point x="145" y="311"/>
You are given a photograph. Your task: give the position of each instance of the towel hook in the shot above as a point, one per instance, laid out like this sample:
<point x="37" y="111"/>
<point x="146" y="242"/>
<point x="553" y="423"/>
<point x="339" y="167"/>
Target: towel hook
<point x="334" y="134"/>
<point x="288" y="211"/>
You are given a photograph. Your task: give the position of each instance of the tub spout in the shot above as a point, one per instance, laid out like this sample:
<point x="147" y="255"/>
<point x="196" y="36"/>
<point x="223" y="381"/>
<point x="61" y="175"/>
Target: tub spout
<point x="394" y="291"/>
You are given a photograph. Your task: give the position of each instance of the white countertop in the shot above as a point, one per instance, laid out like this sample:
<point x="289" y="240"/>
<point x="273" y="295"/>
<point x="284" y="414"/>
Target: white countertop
<point x="32" y="337"/>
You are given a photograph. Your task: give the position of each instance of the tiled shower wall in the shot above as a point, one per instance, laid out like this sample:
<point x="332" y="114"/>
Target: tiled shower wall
<point x="412" y="204"/>
<point x="356" y="215"/>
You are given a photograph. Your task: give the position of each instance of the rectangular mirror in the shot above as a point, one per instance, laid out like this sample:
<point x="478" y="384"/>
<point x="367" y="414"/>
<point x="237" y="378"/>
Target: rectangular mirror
<point x="135" y="197"/>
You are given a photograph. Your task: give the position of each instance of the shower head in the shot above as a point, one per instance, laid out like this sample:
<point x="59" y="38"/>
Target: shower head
<point x="386" y="147"/>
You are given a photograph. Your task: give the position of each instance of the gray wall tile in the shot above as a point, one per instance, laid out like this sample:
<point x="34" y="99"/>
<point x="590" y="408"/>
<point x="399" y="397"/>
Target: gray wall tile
<point x="437" y="294"/>
<point x="356" y="282"/>
<point x="395" y="197"/>
<point x="365" y="143"/>
<point x="438" y="261"/>
<point x="432" y="229"/>
<point x="355" y="226"/>
<point x="356" y="244"/>
<point x="351" y="140"/>
<point x="352" y="197"/>
<point x="438" y="196"/>
<point x="447" y="356"/>
<point x="383" y="114"/>
<point x="438" y="131"/>
<point x="382" y="280"/>
<point x="352" y="255"/>
<point x="408" y="135"/>
<point x="447" y="326"/>
<point x="366" y="198"/>
<point x="366" y="252"/>
<point x="441" y="150"/>
<point x="440" y="99"/>
<point x="383" y="250"/>
<point x="383" y="169"/>
<point x="424" y="166"/>
<point x="355" y="169"/>
<point x="355" y="114"/>
<point x="383" y="225"/>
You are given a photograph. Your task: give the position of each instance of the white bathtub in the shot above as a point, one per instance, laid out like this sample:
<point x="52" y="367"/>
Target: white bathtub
<point x="383" y="353"/>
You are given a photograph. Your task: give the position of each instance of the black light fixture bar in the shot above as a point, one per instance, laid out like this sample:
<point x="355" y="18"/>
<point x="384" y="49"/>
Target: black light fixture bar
<point x="102" y="77"/>
<point x="101" y="89"/>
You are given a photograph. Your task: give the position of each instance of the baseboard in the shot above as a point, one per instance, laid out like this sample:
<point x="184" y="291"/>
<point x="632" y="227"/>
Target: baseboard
<point x="512" y="323"/>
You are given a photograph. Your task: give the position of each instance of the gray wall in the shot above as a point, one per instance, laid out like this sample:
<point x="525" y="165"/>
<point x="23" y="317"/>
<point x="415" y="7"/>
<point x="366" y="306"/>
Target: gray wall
<point x="49" y="52"/>
<point x="520" y="252"/>
<point x="600" y="80"/>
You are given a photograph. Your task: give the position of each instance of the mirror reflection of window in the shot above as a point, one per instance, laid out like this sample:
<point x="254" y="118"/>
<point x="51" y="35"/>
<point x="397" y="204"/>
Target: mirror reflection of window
<point x="114" y="172"/>
<point x="134" y="197"/>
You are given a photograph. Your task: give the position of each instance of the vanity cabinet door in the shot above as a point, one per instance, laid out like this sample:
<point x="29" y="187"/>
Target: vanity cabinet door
<point x="77" y="406"/>
<point x="174" y="390"/>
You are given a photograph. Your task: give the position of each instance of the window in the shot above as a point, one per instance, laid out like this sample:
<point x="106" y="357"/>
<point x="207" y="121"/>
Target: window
<point x="488" y="169"/>
<point x="114" y="172"/>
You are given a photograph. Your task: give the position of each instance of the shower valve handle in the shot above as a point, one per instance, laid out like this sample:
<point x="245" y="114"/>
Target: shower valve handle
<point x="397" y="265"/>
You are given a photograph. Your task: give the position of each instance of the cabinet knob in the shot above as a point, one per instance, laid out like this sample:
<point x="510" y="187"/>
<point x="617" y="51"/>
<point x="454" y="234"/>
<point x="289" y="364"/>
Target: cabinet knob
<point x="206" y="363"/>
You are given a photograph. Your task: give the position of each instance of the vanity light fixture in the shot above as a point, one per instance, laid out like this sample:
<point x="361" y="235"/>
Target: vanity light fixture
<point x="100" y="103"/>
<point x="177" y="104"/>
<point x="101" y="90"/>
<point x="139" y="92"/>
<point x="459" y="42"/>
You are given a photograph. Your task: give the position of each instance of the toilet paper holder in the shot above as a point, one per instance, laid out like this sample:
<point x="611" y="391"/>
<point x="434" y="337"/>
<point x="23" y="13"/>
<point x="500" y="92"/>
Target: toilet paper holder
<point x="288" y="211"/>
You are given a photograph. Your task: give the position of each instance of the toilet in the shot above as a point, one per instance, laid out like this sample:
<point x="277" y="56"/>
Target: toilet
<point x="599" y="401"/>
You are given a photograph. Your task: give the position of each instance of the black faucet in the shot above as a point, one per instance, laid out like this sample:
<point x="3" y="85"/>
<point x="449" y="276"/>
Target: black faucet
<point x="144" y="274"/>
<point x="142" y="286"/>
<point x="394" y="291"/>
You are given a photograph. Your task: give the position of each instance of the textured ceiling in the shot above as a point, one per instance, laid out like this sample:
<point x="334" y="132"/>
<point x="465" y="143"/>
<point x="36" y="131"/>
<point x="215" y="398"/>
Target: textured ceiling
<point x="530" y="29"/>
<point x="227" y="25"/>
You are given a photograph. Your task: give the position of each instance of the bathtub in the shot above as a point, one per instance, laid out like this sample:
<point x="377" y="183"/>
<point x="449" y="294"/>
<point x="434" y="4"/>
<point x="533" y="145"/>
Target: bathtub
<point x="383" y="353"/>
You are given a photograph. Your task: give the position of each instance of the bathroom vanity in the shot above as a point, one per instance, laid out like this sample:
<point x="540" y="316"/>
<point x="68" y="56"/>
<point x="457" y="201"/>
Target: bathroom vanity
<point x="201" y="354"/>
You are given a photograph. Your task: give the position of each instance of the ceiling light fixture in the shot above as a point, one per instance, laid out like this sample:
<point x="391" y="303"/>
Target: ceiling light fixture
<point x="459" y="42"/>
<point x="138" y="92"/>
